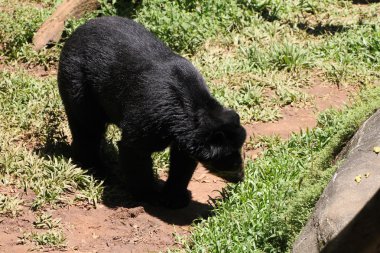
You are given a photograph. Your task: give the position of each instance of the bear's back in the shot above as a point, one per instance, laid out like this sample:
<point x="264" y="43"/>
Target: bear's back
<point x="116" y="37"/>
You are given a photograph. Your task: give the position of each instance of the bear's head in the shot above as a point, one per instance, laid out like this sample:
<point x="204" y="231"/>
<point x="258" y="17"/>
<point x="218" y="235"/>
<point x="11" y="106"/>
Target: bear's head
<point x="221" y="152"/>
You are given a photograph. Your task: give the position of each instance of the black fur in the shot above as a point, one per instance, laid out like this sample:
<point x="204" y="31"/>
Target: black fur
<point x="112" y="70"/>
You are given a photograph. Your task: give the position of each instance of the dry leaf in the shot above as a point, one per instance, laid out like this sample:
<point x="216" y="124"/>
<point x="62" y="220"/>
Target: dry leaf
<point x="358" y="178"/>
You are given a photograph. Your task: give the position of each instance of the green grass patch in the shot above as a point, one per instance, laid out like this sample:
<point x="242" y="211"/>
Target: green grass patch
<point x="32" y="117"/>
<point x="18" y="23"/>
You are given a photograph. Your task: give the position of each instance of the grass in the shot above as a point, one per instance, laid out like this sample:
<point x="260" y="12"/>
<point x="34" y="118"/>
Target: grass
<point x="49" y="234"/>
<point x="48" y="177"/>
<point x="10" y="205"/>
<point x="45" y="220"/>
<point x="16" y="36"/>
<point x="51" y="238"/>
<point x="257" y="56"/>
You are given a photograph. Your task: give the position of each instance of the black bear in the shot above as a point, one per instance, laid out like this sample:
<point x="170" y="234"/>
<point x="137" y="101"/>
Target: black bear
<point x="113" y="70"/>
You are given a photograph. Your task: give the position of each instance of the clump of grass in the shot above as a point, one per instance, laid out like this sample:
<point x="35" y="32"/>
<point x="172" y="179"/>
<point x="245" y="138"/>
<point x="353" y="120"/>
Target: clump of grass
<point x="23" y="98"/>
<point x="45" y="221"/>
<point x="52" y="238"/>
<point x="337" y="73"/>
<point x="73" y="23"/>
<point x="288" y="96"/>
<point x="256" y="142"/>
<point x="257" y="58"/>
<point x="50" y="179"/>
<point x="289" y="56"/>
<point x="92" y="192"/>
<point x="278" y="56"/>
<point x="10" y="205"/>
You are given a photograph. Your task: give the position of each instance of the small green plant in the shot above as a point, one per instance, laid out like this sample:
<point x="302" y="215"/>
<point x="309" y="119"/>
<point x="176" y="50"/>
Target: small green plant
<point x="184" y="27"/>
<point x="263" y="142"/>
<point x="288" y="96"/>
<point x="92" y="192"/>
<point x="289" y="57"/>
<point x="45" y="221"/>
<point x="337" y="73"/>
<point x="256" y="58"/>
<point x="51" y="238"/>
<point x="10" y="205"/>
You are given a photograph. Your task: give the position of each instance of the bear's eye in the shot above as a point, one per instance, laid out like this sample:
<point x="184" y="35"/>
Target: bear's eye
<point x="218" y="137"/>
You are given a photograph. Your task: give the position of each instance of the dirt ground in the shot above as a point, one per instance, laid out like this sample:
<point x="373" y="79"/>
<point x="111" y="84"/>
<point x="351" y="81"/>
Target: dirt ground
<point x="126" y="227"/>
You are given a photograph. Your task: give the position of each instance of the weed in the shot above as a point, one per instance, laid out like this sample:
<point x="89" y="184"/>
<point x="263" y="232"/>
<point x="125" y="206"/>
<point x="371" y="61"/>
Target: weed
<point x="337" y="73"/>
<point x="288" y="96"/>
<point x="51" y="238"/>
<point x="92" y="191"/>
<point x="289" y="56"/>
<point x="10" y="205"/>
<point x="45" y="221"/>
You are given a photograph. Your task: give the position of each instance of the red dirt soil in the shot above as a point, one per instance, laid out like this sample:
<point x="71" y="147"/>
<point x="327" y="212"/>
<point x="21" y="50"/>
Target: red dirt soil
<point x="151" y="229"/>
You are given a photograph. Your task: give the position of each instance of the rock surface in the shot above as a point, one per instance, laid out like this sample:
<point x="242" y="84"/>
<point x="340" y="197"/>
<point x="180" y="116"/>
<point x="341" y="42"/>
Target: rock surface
<point x="347" y="215"/>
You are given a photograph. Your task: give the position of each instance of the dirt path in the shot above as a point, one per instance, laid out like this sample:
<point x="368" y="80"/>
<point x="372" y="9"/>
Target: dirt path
<point x="149" y="229"/>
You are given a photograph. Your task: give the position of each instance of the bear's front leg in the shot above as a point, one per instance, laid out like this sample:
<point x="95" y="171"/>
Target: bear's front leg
<point x="137" y="167"/>
<point x="175" y="194"/>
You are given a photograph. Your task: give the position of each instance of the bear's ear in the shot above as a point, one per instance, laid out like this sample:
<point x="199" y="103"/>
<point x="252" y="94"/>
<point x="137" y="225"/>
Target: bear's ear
<point x="230" y="117"/>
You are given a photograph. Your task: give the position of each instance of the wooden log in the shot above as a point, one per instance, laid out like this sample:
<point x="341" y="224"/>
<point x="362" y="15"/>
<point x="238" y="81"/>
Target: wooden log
<point x="51" y="30"/>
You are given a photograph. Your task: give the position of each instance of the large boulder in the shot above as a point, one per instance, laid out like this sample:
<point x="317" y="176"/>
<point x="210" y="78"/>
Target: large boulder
<point x="347" y="215"/>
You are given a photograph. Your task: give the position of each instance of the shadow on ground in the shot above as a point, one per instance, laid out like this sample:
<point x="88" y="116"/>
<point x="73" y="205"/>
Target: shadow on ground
<point x="115" y="193"/>
<point x="365" y="1"/>
<point x="322" y="29"/>
<point x="362" y="234"/>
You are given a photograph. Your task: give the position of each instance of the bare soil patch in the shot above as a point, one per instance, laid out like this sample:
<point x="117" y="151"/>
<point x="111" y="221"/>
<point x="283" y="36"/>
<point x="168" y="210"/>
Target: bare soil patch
<point x="34" y="70"/>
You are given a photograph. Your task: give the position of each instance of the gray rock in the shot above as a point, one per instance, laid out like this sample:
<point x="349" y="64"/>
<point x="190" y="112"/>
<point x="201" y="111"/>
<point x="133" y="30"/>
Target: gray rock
<point x="347" y="215"/>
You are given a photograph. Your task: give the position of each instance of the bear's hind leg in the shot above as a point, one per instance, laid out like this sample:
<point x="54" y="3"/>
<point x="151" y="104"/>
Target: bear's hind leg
<point x="87" y="126"/>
